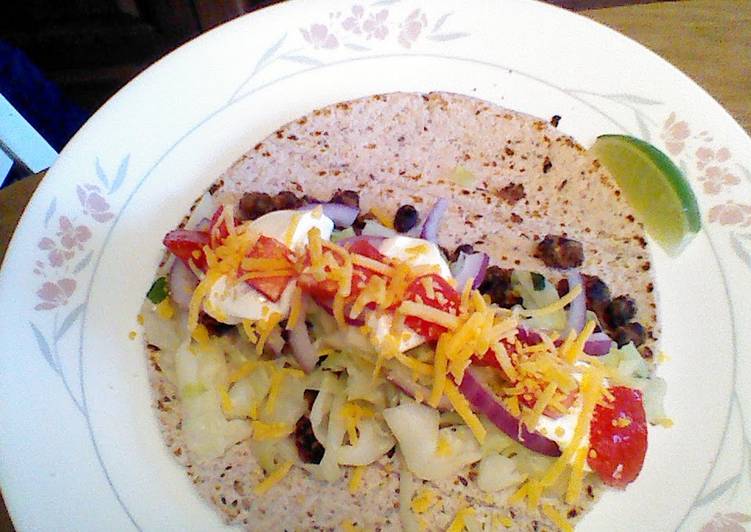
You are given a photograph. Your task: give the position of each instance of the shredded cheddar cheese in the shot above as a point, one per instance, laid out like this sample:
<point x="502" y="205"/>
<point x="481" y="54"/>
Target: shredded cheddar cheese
<point x="555" y="306"/>
<point x="459" y="522"/>
<point x="226" y="401"/>
<point x="423" y="501"/>
<point x="201" y="335"/>
<point x="270" y="431"/>
<point x="462" y="408"/>
<point x="295" y="308"/>
<point x="439" y="372"/>
<point x="278" y="474"/>
<point x="559" y="520"/>
<point x="356" y="479"/>
<point x="383" y="218"/>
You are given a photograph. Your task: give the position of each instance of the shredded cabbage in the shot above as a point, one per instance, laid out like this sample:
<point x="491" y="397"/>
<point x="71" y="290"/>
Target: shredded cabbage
<point x="532" y="299"/>
<point x="415" y="427"/>
<point x="208" y="434"/>
<point x="373" y="442"/>
<point x="497" y="472"/>
<point x="164" y="334"/>
<point x="248" y="393"/>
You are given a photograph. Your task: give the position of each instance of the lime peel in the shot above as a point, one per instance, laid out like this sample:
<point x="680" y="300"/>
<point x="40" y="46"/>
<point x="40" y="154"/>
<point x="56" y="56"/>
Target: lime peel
<point x="654" y="187"/>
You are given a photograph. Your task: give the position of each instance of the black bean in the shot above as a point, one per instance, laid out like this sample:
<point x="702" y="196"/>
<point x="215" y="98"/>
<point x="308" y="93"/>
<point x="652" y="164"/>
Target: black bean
<point x="215" y="328"/>
<point x="346" y="197"/>
<point x="596" y="291"/>
<point x="255" y="204"/>
<point x="497" y="284"/>
<point x="359" y="222"/>
<point x="309" y="449"/>
<point x="631" y="332"/>
<point x="560" y="252"/>
<point x="467" y="249"/>
<point x="287" y="200"/>
<point x="405" y="218"/>
<point x="620" y="311"/>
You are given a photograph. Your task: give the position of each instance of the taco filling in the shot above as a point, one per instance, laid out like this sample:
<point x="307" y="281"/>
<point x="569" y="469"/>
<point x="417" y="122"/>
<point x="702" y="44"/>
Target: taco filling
<point x="311" y="338"/>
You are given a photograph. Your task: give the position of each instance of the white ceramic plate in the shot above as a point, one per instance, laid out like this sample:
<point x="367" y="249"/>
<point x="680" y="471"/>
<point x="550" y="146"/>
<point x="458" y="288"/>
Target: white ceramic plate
<point x="80" y="447"/>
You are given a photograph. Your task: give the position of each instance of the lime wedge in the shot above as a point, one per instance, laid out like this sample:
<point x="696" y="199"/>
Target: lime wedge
<point x="654" y="186"/>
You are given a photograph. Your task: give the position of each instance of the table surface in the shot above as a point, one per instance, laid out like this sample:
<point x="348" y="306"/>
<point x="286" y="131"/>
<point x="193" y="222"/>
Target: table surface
<point x="706" y="39"/>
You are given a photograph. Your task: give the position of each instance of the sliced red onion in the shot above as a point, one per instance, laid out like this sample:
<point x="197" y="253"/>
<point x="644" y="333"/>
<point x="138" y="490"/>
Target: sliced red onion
<point x="413" y="389"/>
<point x="433" y="220"/>
<point x="373" y="228"/>
<point x="598" y="344"/>
<point x="577" y="310"/>
<point x="182" y="283"/>
<point x="302" y="347"/>
<point x="527" y="336"/>
<point x="470" y="266"/>
<point x="342" y="215"/>
<point x="485" y="402"/>
<point x="328" y="306"/>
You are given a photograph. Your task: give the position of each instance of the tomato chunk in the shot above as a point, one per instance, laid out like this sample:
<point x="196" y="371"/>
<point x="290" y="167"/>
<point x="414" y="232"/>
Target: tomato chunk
<point x="618" y="437"/>
<point x="366" y="249"/>
<point x="327" y="288"/>
<point x="187" y="245"/>
<point x="444" y="298"/>
<point x="270" y="248"/>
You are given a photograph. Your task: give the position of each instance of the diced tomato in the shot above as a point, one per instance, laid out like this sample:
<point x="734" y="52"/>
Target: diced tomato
<point x="328" y="288"/>
<point x="444" y="298"/>
<point x="221" y="232"/>
<point x="187" y="245"/>
<point x="325" y="289"/>
<point x="366" y="249"/>
<point x="618" y="437"/>
<point x="270" y="248"/>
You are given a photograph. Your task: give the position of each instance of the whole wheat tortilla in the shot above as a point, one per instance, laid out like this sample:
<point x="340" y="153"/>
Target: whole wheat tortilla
<point x="403" y="148"/>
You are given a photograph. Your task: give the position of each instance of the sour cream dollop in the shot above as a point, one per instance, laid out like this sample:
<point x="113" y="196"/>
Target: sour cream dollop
<point x="232" y="304"/>
<point x="415" y="252"/>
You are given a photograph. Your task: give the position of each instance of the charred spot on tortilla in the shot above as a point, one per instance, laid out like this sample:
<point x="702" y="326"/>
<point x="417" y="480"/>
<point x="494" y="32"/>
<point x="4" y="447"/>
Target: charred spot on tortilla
<point x="546" y="165"/>
<point x="512" y="193"/>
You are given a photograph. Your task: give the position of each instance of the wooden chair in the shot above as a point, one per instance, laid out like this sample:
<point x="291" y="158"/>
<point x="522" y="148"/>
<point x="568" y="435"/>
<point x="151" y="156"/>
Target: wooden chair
<point x="21" y="143"/>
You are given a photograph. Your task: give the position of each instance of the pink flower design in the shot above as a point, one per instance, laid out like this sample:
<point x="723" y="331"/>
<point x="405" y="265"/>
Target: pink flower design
<point x="352" y="22"/>
<point x="706" y="156"/>
<point x="318" y="35"/>
<point x="54" y="295"/>
<point x="674" y="133"/>
<point x="727" y="522"/>
<point x="94" y="203"/>
<point x="56" y="256"/>
<point x="72" y="236"/>
<point x="716" y="175"/>
<point x="374" y="26"/>
<point x="412" y="27"/>
<point x="731" y="213"/>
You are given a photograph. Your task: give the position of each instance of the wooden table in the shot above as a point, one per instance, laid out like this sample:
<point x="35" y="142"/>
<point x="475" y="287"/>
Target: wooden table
<point x="706" y="39"/>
